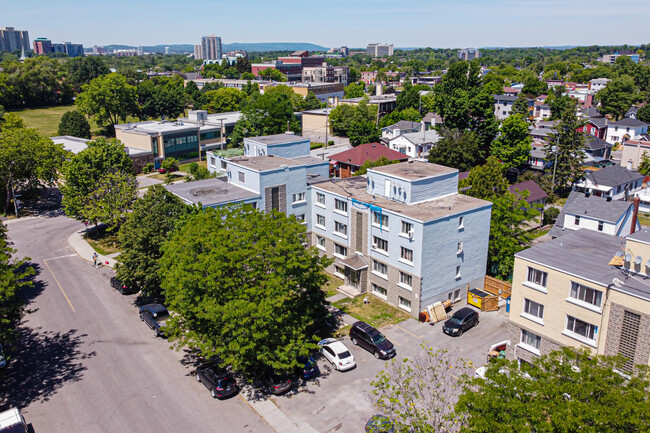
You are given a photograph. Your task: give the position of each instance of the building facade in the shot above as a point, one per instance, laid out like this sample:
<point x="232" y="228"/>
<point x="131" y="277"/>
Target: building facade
<point x="42" y="46"/>
<point x="380" y="50"/>
<point x="14" y="40"/>
<point x="210" y="47"/>
<point x="68" y="48"/>
<point x="469" y="54"/>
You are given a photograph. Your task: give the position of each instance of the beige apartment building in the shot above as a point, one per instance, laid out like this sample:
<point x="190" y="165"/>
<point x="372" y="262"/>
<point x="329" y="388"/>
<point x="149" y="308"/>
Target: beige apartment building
<point x="585" y="289"/>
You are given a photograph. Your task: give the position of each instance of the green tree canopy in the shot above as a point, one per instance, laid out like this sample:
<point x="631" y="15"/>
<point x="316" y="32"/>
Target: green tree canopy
<point x="265" y="115"/>
<point x="358" y="122"/>
<point x="618" y="96"/>
<point x="643" y="114"/>
<point x="520" y="106"/>
<point x="222" y="100"/>
<point x="142" y="235"/>
<point x="162" y="97"/>
<point x="382" y="160"/>
<point x="408" y="98"/>
<point x="82" y="70"/>
<point x="354" y="90"/>
<point x="108" y="99"/>
<point x="311" y="102"/>
<point x="565" y="391"/>
<point x="74" y="123"/>
<point x="244" y="287"/>
<point x="512" y="146"/>
<point x="569" y="145"/>
<point x="272" y="74"/>
<point x="455" y="149"/>
<point x="410" y="114"/>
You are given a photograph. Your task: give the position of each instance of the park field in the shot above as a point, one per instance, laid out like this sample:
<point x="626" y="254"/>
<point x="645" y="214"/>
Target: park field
<point x="45" y="120"/>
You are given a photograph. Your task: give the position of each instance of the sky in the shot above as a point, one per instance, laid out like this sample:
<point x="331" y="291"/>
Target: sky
<point x="333" y="23"/>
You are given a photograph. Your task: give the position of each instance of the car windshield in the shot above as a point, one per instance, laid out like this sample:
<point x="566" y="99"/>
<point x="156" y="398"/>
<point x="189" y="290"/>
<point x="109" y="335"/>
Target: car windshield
<point x="344" y="355"/>
<point x="225" y="382"/>
<point x="456" y="320"/>
<point x="378" y="338"/>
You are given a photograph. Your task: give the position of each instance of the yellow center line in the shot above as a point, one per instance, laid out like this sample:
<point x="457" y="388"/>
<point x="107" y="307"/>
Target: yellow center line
<point x="410" y="333"/>
<point x="59" y="284"/>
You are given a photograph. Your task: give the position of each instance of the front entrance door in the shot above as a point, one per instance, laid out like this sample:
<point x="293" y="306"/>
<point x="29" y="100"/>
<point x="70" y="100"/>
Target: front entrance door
<point x="352" y="278"/>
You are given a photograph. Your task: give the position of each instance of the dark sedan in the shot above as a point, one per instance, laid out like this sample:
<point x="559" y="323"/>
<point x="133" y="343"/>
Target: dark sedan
<point x="218" y="380"/>
<point x="461" y="321"/>
<point x="275" y="383"/>
<point x="154" y="315"/>
<point x="123" y="289"/>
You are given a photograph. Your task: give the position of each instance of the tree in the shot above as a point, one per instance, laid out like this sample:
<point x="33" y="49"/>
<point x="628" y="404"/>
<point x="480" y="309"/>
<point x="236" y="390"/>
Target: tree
<point x="82" y="70"/>
<point x="418" y="393"/>
<point x="408" y="98"/>
<point x="243" y="65"/>
<point x="568" y="390"/>
<point x="410" y="114"/>
<point x="456" y="149"/>
<point x="266" y="114"/>
<point x="198" y="172"/>
<point x="618" y="96"/>
<point x="644" y="166"/>
<point x="520" y="106"/>
<point x="86" y="185"/>
<point x="311" y="102"/>
<point x="27" y="159"/>
<point x="354" y="90"/>
<point x="14" y="274"/>
<point x="356" y="122"/>
<point x="382" y="160"/>
<point x="644" y="113"/>
<point x="512" y="147"/>
<point x="486" y="181"/>
<point x="108" y="99"/>
<point x="569" y="144"/>
<point x="222" y="100"/>
<point x="142" y="235"/>
<point x="243" y="287"/>
<point x="162" y="97"/>
<point x="247" y="76"/>
<point x="74" y="123"/>
<point x="272" y="74"/>
<point x="297" y="101"/>
<point x="534" y="87"/>
<point x="193" y="93"/>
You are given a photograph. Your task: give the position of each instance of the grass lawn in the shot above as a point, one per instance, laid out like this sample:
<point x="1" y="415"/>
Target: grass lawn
<point x="103" y="242"/>
<point x="185" y="168"/>
<point x="538" y="232"/>
<point x="227" y="153"/>
<point x="377" y="313"/>
<point x="331" y="285"/>
<point x="644" y="219"/>
<point x="163" y="177"/>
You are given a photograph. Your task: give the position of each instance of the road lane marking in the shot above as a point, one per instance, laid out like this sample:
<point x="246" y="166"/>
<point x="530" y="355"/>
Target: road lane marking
<point x="61" y="257"/>
<point x="59" y="284"/>
<point x="410" y="333"/>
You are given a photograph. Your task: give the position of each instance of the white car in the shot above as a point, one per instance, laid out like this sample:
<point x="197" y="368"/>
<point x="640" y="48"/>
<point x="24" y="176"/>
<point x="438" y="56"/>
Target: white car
<point x="336" y="353"/>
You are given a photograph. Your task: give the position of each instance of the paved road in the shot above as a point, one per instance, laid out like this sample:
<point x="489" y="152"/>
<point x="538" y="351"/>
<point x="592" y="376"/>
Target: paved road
<point x="85" y="362"/>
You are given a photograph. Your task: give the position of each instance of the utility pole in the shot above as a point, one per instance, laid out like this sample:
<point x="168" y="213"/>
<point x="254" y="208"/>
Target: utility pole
<point x="221" y="131"/>
<point x="326" y="126"/>
<point x="555" y="150"/>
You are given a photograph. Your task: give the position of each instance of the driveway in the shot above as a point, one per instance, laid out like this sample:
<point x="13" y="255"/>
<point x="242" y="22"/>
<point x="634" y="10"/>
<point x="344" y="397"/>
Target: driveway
<point x="337" y="402"/>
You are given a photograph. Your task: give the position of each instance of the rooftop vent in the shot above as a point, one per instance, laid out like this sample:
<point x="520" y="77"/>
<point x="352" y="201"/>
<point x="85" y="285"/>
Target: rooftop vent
<point x="638" y="260"/>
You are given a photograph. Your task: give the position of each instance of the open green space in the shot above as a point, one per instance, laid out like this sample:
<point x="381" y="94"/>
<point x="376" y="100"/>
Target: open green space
<point x="331" y="285"/>
<point x="46" y="119"/>
<point x="185" y="168"/>
<point x="644" y="219"/>
<point x="103" y="242"/>
<point x="376" y="313"/>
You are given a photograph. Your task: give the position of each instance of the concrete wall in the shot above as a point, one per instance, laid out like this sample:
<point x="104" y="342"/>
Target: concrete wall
<point x="315" y="124"/>
<point x="137" y="141"/>
<point x="411" y="192"/>
<point x="293" y="178"/>
<point x="287" y="150"/>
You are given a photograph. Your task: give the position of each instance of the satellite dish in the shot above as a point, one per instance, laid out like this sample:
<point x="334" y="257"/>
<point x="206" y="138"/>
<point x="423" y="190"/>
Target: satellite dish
<point x="618" y="283"/>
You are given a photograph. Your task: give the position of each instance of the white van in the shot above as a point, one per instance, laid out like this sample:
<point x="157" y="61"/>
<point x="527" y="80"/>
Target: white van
<point x="12" y="421"/>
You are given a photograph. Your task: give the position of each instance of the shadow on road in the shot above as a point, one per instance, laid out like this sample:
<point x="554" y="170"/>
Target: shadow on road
<point x="46" y="202"/>
<point x="41" y="363"/>
<point x="29" y="293"/>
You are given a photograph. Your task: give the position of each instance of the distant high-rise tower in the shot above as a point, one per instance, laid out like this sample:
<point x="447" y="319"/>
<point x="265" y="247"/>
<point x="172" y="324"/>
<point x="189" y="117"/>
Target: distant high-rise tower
<point x="469" y="54"/>
<point x="140" y="52"/>
<point x="43" y="46"/>
<point x="14" y="40"/>
<point x="210" y="47"/>
<point x="167" y="50"/>
<point x="379" y="50"/>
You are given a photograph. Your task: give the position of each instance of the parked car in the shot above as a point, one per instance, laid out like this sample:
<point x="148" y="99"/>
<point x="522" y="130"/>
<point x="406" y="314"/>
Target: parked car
<point x="460" y="321"/>
<point x="274" y="383"/>
<point x="364" y="335"/>
<point x="336" y="353"/>
<point x="12" y="421"/>
<point x="308" y="367"/>
<point x="379" y="424"/>
<point x="117" y="285"/>
<point x="218" y="380"/>
<point x="154" y="315"/>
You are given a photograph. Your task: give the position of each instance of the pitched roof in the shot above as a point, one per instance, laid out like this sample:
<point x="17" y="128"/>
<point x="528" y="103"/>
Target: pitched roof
<point x="592" y="112"/>
<point x="535" y="192"/>
<point x="613" y="175"/>
<point x="432" y="116"/>
<point x="595" y="143"/>
<point x="507" y="98"/>
<point x="370" y="151"/>
<point x="422" y="137"/>
<point x="628" y="121"/>
<point x="596" y="207"/>
<point x="403" y="125"/>
<point x="631" y="111"/>
<point x="598" y="122"/>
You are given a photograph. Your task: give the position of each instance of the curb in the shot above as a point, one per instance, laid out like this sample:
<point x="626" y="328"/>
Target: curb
<point x="85" y="251"/>
<point x="275" y="418"/>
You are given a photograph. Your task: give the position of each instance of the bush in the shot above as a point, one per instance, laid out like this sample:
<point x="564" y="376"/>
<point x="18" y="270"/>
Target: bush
<point x="550" y="215"/>
<point x="330" y="143"/>
<point x="148" y="168"/>
<point x="316" y="145"/>
<point x="169" y="164"/>
<point x="75" y="124"/>
<point x="193" y="167"/>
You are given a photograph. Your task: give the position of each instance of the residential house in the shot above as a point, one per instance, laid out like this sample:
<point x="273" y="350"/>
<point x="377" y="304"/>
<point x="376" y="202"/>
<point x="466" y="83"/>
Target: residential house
<point x="597" y="151"/>
<point x="596" y="126"/>
<point x="625" y="129"/>
<point x="543" y="128"/>
<point x="415" y="144"/>
<point x="386" y="103"/>
<point x="402" y="233"/>
<point x="510" y="91"/>
<point x="614" y="217"/>
<point x="634" y="150"/>
<point x="613" y="181"/>
<point x="584" y="290"/>
<point x="368" y="77"/>
<point x="345" y="163"/>
<point x="503" y="105"/>
<point x="597" y="84"/>
<point x="536" y="195"/>
<point x="537" y="159"/>
<point x="401" y="127"/>
<point x="432" y="119"/>
<point x="541" y="111"/>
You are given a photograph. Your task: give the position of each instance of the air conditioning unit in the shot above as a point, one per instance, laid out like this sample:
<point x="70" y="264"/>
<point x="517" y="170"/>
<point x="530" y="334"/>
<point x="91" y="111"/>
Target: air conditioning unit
<point x="374" y="246"/>
<point x="411" y="234"/>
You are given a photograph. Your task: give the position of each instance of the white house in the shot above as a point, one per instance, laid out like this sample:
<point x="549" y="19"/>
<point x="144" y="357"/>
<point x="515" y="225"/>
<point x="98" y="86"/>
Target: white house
<point x="401" y="127"/>
<point x="415" y="144"/>
<point x="614" y="182"/>
<point x="625" y="129"/>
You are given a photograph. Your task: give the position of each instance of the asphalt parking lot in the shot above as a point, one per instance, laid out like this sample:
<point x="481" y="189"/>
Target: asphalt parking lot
<point x="337" y="402"/>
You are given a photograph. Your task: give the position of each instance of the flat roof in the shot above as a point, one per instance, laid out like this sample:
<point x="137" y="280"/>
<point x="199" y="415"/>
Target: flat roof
<point x="210" y="192"/>
<point x="276" y="139"/>
<point x="355" y="187"/>
<point x="318" y="111"/>
<point x="264" y="163"/>
<point x="155" y="127"/>
<point x="642" y="236"/>
<point x="70" y="143"/>
<point x="414" y="170"/>
<point x="310" y="160"/>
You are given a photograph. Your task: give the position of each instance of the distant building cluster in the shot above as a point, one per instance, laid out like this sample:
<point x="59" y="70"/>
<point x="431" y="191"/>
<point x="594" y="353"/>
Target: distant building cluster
<point x="611" y="58"/>
<point x="14" y="40"/>
<point x="302" y="67"/>
<point x="209" y="49"/>
<point x="45" y="46"/>
<point x="469" y="54"/>
<point x="380" y="50"/>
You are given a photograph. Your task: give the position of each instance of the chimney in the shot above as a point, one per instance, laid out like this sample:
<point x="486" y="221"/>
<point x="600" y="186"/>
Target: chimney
<point x="629" y="165"/>
<point x="636" y="202"/>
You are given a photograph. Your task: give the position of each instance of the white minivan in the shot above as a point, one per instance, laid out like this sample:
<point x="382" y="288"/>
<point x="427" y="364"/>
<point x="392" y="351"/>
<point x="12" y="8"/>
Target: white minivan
<point x="12" y="421"/>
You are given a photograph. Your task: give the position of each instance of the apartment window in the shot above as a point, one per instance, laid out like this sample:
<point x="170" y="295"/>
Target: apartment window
<point x="320" y="198"/>
<point x="241" y="176"/>
<point x="461" y="221"/>
<point x="379" y="219"/>
<point x="380" y="244"/>
<point x="405" y="279"/>
<point x="628" y="342"/>
<point x="320" y="242"/>
<point x="533" y="308"/>
<point x="404" y="303"/>
<point x="224" y="164"/>
<point x="600" y="226"/>
<point x="299" y="197"/>
<point x="341" y="205"/>
<point x="340" y="228"/>
<point x="536" y="276"/>
<point x="339" y="271"/>
<point x="460" y="247"/>
<point x="379" y="291"/>
<point x="320" y="220"/>
<point x="458" y="272"/>
<point x="406" y="254"/>
<point x="586" y="294"/>
<point x="379" y="267"/>
<point x="300" y="217"/>
<point x="583" y="329"/>
<point x="340" y="250"/>
<point x="530" y="339"/>
<point x="576" y="220"/>
<point x="407" y="228"/>
<point x="275" y="198"/>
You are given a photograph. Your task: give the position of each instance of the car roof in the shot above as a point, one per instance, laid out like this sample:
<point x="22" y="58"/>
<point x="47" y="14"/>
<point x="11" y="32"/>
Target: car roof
<point x="155" y="308"/>
<point x="464" y="312"/>
<point x="362" y="325"/>
<point x="337" y="347"/>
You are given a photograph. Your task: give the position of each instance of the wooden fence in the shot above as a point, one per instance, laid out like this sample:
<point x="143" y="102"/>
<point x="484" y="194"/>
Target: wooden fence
<point x="497" y="287"/>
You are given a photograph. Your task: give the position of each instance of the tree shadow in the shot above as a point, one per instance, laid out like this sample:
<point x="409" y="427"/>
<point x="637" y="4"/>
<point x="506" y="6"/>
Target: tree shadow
<point x="46" y="202"/>
<point x="41" y="363"/>
<point x="29" y="293"/>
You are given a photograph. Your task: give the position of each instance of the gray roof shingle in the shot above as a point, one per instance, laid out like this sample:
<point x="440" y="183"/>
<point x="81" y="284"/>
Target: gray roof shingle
<point x="613" y="175"/>
<point x="629" y="122"/>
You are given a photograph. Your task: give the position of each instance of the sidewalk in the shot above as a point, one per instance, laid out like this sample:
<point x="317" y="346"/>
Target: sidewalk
<point x="277" y="419"/>
<point x="85" y="251"/>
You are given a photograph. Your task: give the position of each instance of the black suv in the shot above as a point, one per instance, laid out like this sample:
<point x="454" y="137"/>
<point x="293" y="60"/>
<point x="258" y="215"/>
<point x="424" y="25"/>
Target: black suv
<point x="461" y="321"/>
<point x="218" y="380"/>
<point x="154" y="315"/>
<point x="117" y="285"/>
<point x="372" y="340"/>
